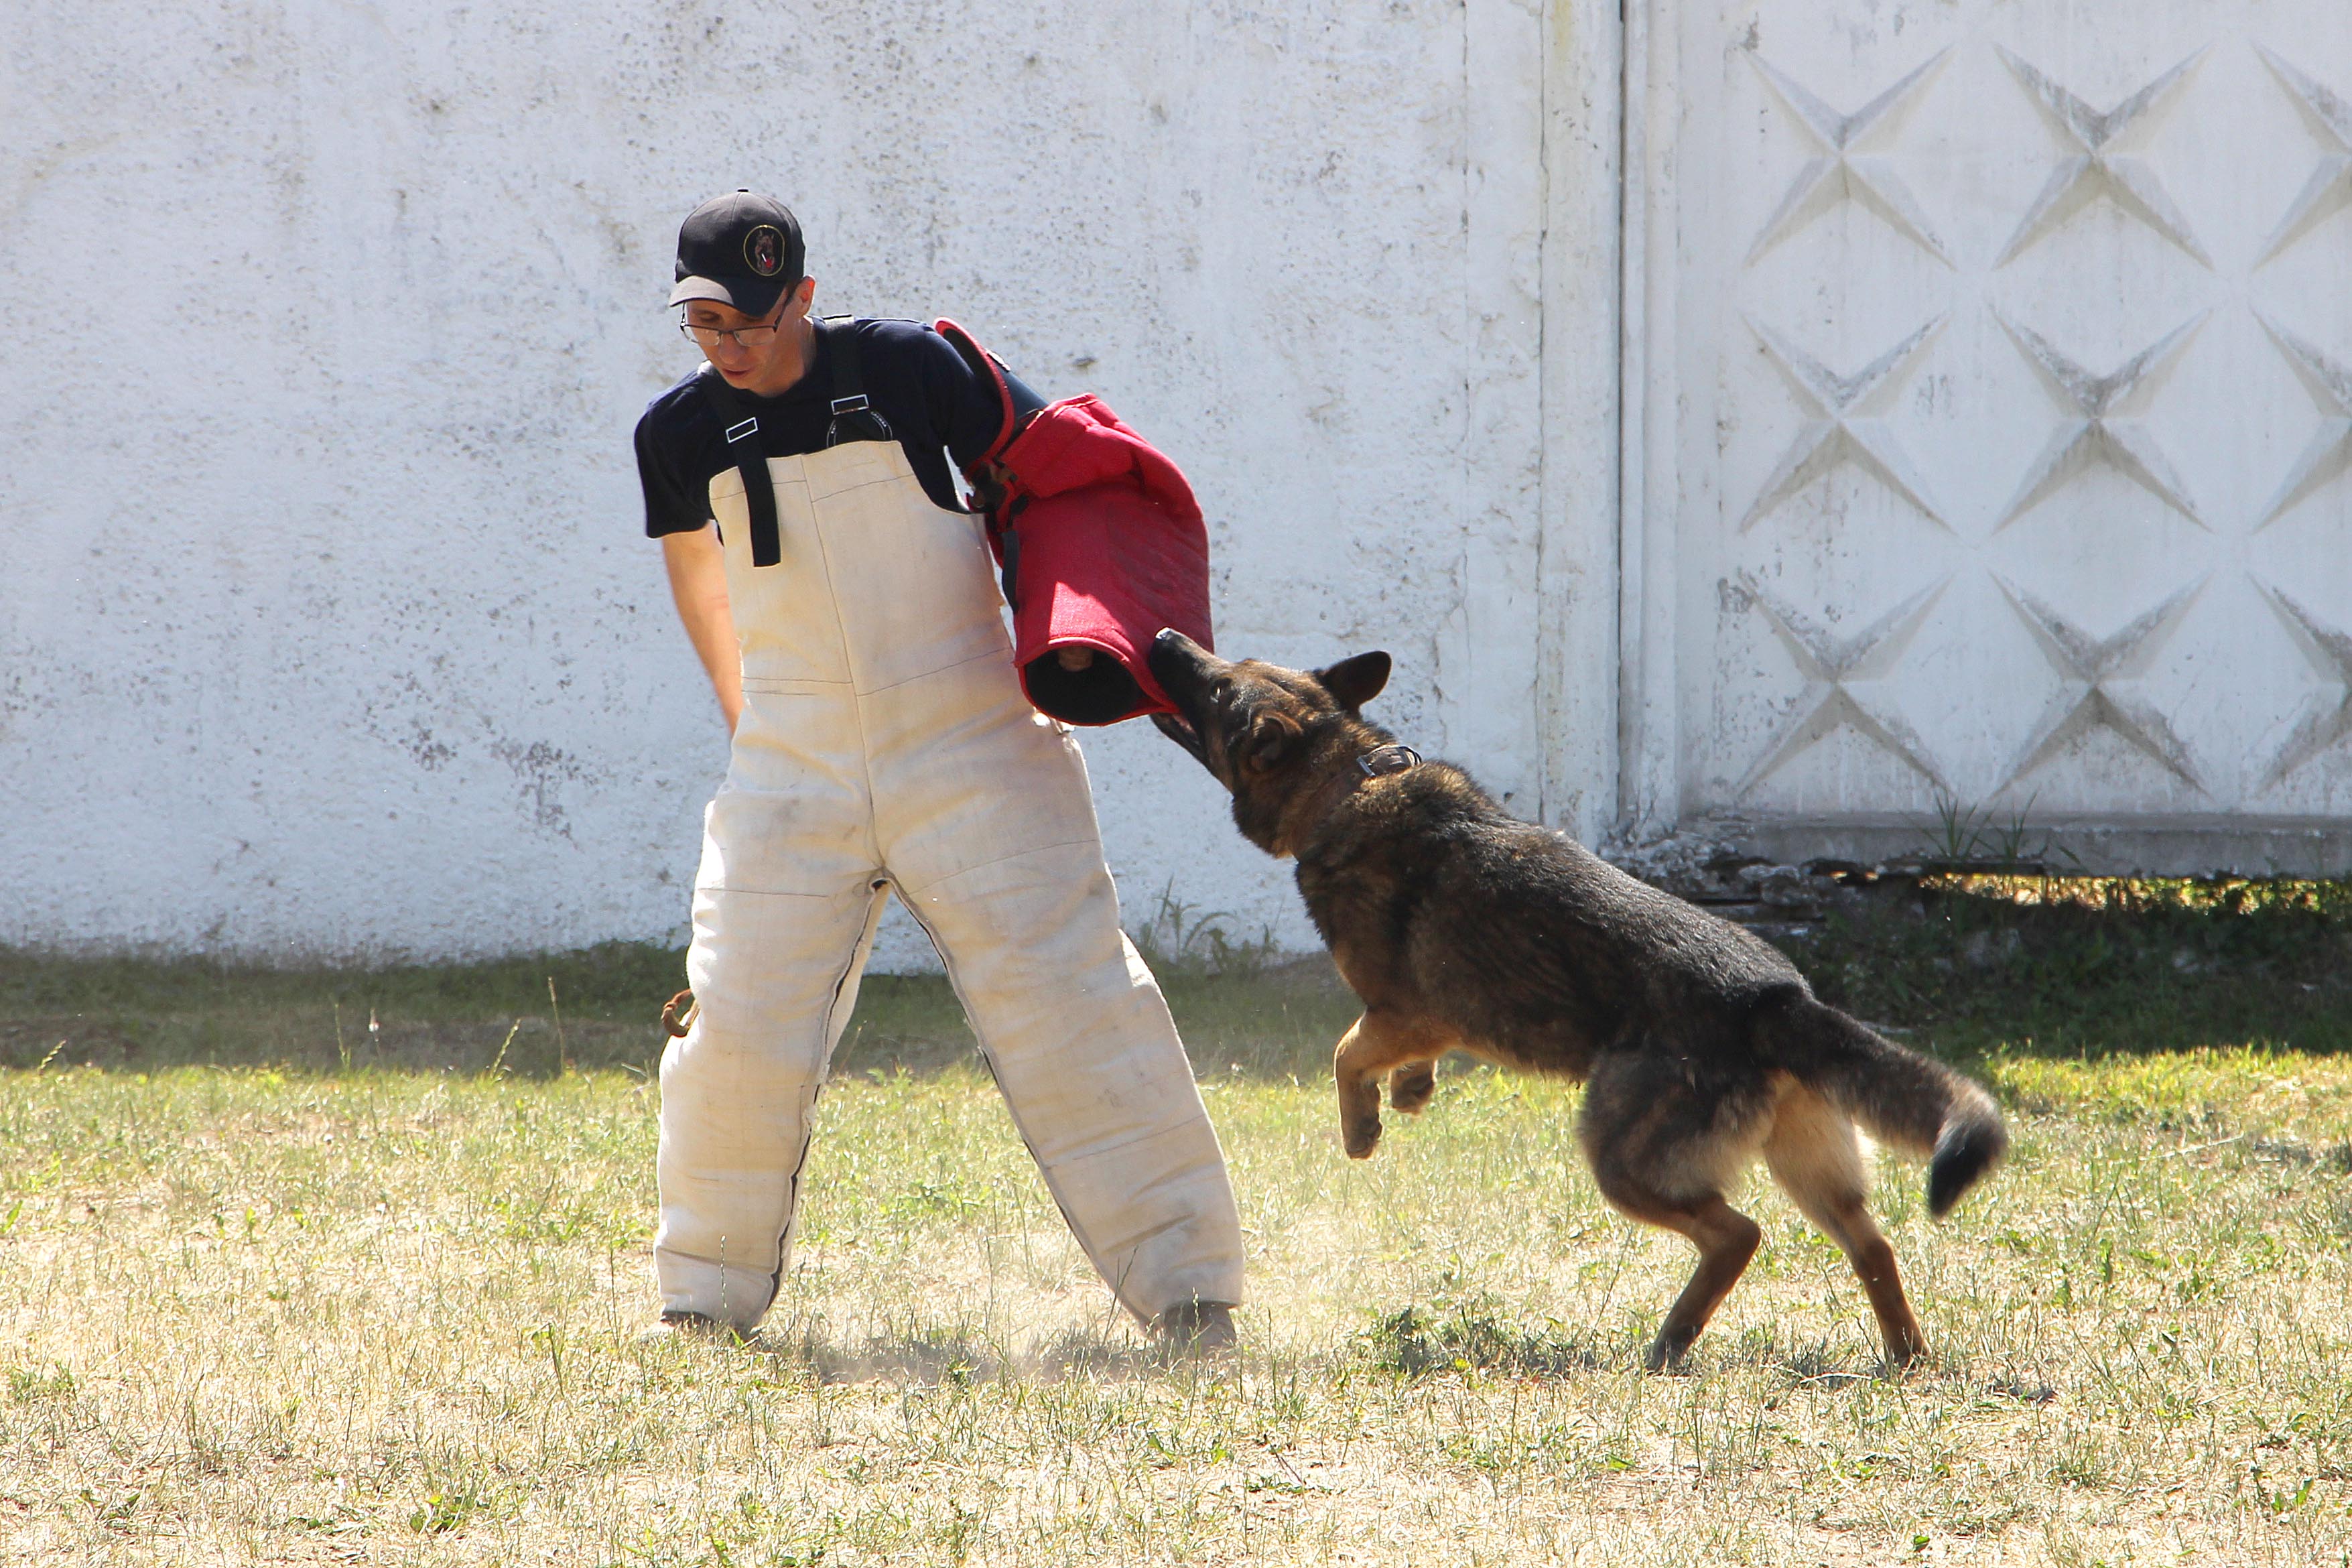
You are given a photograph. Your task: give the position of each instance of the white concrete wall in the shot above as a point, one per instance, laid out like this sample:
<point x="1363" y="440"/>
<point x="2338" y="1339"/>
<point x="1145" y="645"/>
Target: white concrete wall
<point x="326" y="624"/>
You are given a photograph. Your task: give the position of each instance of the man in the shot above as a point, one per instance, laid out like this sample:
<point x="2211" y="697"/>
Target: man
<point x="844" y="604"/>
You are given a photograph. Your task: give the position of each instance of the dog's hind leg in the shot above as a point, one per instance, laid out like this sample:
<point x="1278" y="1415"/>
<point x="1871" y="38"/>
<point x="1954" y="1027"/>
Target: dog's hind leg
<point x="1726" y="1240"/>
<point x="1411" y="1086"/>
<point x="1373" y="1045"/>
<point x="1663" y="1154"/>
<point x="1813" y="1154"/>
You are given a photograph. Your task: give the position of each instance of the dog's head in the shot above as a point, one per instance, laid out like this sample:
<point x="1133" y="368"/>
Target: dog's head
<point x="1275" y="737"/>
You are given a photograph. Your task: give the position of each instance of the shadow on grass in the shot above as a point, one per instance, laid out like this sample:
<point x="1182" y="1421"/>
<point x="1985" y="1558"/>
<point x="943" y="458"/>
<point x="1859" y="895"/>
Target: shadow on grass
<point x="2090" y="966"/>
<point x="529" y="1015"/>
<point x="957" y="1357"/>
<point x="534" y="1016"/>
<point x="1472" y="1336"/>
<point x="1798" y="1363"/>
<point x="1961" y="966"/>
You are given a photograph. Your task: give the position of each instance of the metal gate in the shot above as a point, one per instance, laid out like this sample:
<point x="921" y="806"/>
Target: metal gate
<point x="1988" y="459"/>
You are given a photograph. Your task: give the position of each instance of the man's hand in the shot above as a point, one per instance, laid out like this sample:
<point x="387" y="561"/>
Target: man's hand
<point x="1075" y="659"/>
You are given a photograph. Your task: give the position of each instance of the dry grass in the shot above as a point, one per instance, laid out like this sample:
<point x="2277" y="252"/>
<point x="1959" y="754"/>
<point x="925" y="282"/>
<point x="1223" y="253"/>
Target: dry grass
<point x="385" y="1316"/>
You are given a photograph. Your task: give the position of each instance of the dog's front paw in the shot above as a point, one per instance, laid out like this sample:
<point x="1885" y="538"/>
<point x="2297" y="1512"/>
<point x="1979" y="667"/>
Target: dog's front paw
<point x="1361" y="1136"/>
<point x="1411" y="1086"/>
<point x="1668" y="1353"/>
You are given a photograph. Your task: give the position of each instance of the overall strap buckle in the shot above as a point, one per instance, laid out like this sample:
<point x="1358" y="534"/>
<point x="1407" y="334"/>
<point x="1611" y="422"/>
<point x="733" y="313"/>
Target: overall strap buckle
<point x="854" y="418"/>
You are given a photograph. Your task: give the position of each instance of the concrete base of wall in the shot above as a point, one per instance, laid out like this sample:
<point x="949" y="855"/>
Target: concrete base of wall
<point x="2148" y="847"/>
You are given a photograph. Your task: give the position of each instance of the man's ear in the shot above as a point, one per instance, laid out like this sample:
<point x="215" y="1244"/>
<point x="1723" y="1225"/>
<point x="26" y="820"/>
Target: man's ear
<point x="1356" y="681"/>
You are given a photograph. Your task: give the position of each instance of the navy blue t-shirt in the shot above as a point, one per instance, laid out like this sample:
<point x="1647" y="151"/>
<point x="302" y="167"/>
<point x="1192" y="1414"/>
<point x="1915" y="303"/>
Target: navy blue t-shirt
<point x="913" y="377"/>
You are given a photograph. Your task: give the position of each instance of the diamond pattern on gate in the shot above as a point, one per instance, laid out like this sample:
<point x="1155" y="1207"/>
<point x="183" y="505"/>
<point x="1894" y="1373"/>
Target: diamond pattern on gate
<point x="1844" y="683"/>
<point x="2321" y="726"/>
<point x="1834" y="432"/>
<point x="2098" y="676"/>
<point x="2329" y="189"/>
<point x="2098" y="170"/>
<point x="2093" y="434"/>
<point x="2103" y="683"/>
<point x="1841" y="172"/>
<point x="2328" y="454"/>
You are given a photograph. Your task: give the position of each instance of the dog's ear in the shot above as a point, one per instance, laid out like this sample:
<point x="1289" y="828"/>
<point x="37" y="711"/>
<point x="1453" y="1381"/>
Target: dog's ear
<point x="1270" y="743"/>
<point x="1356" y="681"/>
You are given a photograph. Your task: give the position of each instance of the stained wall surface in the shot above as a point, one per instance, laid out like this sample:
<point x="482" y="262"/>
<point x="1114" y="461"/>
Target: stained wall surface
<point x="326" y="624"/>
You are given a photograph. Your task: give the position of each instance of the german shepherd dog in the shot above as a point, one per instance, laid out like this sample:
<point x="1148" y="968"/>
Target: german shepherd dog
<point x="1460" y="928"/>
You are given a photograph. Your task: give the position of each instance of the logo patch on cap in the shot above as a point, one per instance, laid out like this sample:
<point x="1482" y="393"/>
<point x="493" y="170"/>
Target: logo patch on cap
<point x="764" y="248"/>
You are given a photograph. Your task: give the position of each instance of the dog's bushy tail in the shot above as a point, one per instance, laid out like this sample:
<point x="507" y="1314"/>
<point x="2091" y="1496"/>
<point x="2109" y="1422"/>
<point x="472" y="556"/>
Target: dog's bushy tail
<point x="1898" y="1096"/>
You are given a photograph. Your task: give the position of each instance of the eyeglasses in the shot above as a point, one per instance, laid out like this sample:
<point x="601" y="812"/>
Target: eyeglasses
<point x="708" y="338"/>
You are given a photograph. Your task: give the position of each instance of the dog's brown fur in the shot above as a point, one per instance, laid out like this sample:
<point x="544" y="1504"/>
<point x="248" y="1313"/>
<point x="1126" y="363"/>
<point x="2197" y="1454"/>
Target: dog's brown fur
<point x="1463" y="929"/>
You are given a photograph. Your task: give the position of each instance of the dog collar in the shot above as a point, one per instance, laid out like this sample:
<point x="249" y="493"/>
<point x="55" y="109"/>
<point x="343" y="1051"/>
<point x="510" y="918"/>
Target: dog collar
<point x="1382" y="760"/>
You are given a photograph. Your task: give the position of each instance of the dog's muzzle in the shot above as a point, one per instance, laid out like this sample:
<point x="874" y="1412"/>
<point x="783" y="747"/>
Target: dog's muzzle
<point x="1177" y="729"/>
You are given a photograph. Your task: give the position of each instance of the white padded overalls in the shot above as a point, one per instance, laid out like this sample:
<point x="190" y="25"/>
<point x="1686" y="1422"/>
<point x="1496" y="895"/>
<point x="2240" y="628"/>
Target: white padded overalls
<point x="885" y="742"/>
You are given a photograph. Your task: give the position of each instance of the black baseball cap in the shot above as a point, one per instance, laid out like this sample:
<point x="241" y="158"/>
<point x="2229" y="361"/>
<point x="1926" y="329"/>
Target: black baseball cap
<point x="741" y="249"/>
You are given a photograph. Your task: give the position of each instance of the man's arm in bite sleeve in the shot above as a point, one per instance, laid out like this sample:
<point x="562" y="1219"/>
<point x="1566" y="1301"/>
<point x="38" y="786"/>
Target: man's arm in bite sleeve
<point x="966" y="416"/>
<point x="697" y="581"/>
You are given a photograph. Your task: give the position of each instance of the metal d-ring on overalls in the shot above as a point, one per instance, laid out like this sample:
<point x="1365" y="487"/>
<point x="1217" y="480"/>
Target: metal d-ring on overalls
<point x="885" y="742"/>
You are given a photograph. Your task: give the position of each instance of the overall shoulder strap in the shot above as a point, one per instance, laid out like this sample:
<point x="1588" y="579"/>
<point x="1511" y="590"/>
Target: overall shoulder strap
<point x="749" y="446"/>
<point x="854" y="418"/>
